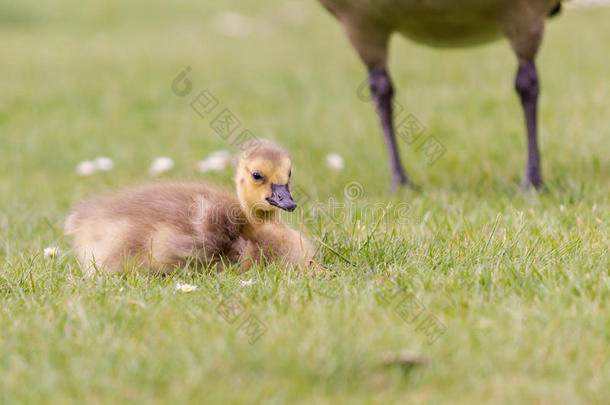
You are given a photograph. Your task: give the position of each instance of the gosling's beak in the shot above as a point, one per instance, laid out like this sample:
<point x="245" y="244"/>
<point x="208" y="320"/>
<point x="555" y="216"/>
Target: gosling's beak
<point x="281" y="198"/>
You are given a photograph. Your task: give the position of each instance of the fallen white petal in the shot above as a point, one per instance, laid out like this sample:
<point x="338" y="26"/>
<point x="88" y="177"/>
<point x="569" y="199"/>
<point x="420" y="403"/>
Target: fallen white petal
<point x="160" y="165"/>
<point x="85" y="168"/>
<point x="335" y="161"/>
<point x="103" y="164"/>
<point x="186" y="287"/>
<point x="245" y="283"/>
<point x="51" y="251"/>
<point x="216" y="161"/>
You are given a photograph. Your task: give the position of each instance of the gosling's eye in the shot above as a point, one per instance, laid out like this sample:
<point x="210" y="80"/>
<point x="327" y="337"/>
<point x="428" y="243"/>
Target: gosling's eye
<point x="257" y="176"/>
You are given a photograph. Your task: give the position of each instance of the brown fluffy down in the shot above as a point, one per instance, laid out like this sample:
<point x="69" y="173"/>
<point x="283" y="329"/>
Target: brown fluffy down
<point x="162" y="226"/>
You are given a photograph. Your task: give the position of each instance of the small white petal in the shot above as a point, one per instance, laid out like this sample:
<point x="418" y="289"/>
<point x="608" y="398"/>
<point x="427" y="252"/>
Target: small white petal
<point x="85" y="168"/>
<point x="221" y="155"/>
<point x="160" y="165"/>
<point x="51" y="251"/>
<point x="335" y="161"/>
<point x="217" y="161"/>
<point x="245" y="283"/>
<point x="186" y="287"/>
<point x="103" y="164"/>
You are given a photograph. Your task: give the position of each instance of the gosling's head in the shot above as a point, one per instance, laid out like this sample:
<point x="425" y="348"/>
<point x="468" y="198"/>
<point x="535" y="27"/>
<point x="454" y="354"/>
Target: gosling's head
<point x="263" y="179"/>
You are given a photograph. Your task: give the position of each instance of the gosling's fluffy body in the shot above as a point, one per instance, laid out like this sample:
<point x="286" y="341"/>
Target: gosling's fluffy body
<point x="158" y="226"/>
<point x="161" y="227"/>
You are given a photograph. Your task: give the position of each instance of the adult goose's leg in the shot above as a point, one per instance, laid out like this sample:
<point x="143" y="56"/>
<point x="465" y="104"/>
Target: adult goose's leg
<point x="382" y="93"/>
<point x="528" y="87"/>
<point x="525" y="32"/>
<point x="371" y="43"/>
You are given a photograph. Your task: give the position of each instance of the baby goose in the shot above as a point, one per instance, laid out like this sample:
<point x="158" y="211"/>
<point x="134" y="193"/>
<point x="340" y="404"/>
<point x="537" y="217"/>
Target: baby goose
<point x="162" y="227"/>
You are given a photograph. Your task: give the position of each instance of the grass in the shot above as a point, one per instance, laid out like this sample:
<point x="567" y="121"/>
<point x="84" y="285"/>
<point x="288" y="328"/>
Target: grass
<point x="520" y="280"/>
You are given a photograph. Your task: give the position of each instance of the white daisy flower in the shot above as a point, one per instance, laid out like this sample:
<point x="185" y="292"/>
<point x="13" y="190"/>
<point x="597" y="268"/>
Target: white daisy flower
<point x="85" y="168"/>
<point x="186" y="287"/>
<point x="160" y="165"/>
<point x="217" y="161"/>
<point x="51" y="251"/>
<point x="246" y="283"/>
<point x="335" y="161"/>
<point x="103" y="164"/>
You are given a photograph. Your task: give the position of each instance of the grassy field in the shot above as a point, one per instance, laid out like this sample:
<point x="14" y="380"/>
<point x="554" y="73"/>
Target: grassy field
<point x="517" y="283"/>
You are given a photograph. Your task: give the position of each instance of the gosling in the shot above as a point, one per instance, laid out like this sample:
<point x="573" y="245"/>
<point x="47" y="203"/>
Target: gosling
<point x="163" y="227"/>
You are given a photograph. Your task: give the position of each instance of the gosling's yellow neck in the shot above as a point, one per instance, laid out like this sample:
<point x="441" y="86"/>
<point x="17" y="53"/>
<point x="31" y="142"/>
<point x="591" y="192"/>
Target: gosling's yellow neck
<point x="258" y="218"/>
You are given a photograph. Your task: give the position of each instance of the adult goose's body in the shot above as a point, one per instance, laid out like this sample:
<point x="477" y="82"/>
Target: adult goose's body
<point x="446" y="23"/>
